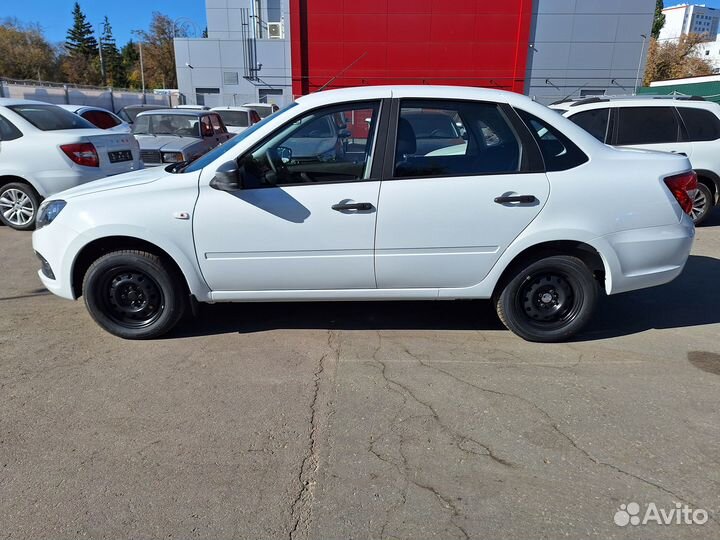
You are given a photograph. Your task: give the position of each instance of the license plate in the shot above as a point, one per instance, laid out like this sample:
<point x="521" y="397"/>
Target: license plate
<point x="120" y="155"/>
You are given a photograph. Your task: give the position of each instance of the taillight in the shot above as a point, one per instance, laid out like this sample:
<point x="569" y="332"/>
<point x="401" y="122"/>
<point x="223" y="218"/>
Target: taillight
<point x="683" y="187"/>
<point x="82" y="154"/>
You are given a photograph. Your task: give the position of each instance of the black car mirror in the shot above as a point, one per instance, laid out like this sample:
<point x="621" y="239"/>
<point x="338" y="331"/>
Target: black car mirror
<point x="227" y="177"/>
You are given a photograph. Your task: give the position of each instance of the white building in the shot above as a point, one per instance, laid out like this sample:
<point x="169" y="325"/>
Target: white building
<point x="710" y="51"/>
<point x="245" y="58"/>
<point x="686" y="19"/>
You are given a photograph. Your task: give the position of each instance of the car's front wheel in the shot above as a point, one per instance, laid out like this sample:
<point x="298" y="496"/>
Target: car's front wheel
<point x="134" y="294"/>
<point x="548" y="300"/>
<point x="18" y="206"/>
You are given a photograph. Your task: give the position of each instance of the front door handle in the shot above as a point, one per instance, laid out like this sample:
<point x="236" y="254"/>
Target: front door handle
<point x="361" y="206"/>
<point x="679" y="153"/>
<point x="523" y="199"/>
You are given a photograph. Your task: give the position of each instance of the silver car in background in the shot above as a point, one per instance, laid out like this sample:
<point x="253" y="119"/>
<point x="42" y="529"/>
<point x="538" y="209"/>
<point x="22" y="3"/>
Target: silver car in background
<point x="178" y="135"/>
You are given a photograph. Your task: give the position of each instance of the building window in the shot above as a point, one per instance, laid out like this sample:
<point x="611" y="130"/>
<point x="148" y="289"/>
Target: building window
<point x="231" y="78"/>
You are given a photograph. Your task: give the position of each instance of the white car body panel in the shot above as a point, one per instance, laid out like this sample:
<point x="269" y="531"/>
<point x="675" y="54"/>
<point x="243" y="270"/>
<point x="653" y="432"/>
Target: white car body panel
<point x="429" y="238"/>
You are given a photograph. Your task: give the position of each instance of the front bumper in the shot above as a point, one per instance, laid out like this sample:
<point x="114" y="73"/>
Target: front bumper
<point x="54" y="244"/>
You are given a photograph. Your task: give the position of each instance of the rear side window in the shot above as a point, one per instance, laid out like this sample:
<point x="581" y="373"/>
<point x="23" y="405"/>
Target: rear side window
<point x="559" y="152"/>
<point x="50" y="117"/>
<point x="701" y="124"/>
<point x="101" y="119"/>
<point x="8" y="132"/>
<point x="594" y="122"/>
<point x="647" y="125"/>
<point x="454" y="138"/>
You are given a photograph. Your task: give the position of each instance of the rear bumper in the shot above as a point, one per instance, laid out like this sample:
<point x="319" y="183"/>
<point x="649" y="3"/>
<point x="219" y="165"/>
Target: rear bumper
<point x="648" y="257"/>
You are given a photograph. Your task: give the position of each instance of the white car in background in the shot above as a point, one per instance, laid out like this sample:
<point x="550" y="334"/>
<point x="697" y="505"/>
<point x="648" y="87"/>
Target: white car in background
<point x="237" y="119"/>
<point x="684" y="125"/>
<point x="45" y="149"/>
<point x="263" y="109"/>
<point x="536" y="215"/>
<point x="100" y="118"/>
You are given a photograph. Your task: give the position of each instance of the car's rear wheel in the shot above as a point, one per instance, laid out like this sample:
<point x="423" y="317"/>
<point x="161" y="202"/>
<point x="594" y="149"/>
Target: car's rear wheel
<point x="702" y="204"/>
<point x="548" y="300"/>
<point x="134" y="294"/>
<point x="18" y="206"/>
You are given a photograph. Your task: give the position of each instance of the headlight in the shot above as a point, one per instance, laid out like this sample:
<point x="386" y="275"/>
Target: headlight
<point x="172" y="157"/>
<point x="48" y="212"/>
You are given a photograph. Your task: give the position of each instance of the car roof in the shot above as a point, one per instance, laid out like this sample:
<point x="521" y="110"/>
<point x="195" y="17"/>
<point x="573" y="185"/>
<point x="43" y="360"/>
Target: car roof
<point x="145" y="106"/>
<point x="257" y="104"/>
<point x="600" y="102"/>
<point x="178" y="112"/>
<point x="232" y="108"/>
<point x="5" y="102"/>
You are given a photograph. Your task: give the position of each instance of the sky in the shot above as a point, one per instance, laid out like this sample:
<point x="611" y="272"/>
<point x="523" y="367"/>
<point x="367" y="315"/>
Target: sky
<point x="55" y="16"/>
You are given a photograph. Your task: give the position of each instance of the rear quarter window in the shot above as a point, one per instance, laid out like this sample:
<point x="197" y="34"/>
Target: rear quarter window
<point x="558" y="152"/>
<point x="701" y="124"/>
<point x="8" y="131"/>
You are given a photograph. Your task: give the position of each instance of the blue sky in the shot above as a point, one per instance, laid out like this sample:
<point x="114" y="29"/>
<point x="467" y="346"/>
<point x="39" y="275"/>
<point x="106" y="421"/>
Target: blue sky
<point x="55" y="16"/>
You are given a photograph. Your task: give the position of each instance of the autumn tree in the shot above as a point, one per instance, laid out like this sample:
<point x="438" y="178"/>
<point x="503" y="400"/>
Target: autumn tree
<point x="676" y="59"/>
<point x="25" y="53"/>
<point x="159" y="52"/>
<point x="130" y="61"/>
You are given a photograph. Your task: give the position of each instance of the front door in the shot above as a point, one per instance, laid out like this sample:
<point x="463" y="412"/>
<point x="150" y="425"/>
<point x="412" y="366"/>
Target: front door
<point x="302" y="222"/>
<point x="446" y="216"/>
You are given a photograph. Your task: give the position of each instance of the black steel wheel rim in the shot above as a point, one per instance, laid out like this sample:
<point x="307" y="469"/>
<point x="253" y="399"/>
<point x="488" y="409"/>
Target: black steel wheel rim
<point x="131" y="297"/>
<point x="549" y="299"/>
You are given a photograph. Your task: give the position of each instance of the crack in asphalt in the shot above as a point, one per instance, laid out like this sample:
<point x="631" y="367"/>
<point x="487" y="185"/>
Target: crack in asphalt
<point x="556" y="428"/>
<point x="301" y="507"/>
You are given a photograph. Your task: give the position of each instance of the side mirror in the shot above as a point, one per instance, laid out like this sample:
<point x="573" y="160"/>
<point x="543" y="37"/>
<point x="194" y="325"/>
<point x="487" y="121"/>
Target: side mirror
<point x="344" y="133"/>
<point x="284" y="153"/>
<point x="227" y="177"/>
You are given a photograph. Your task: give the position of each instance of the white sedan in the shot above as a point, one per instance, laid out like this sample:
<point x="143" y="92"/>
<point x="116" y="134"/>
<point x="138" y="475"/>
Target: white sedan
<point x="535" y="214"/>
<point x="100" y="118"/>
<point x="45" y="149"/>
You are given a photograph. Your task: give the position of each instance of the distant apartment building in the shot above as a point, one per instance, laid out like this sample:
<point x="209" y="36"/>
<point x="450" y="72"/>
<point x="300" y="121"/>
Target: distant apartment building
<point x="273" y="50"/>
<point x="686" y="19"/>
<point x="710" y="51"/>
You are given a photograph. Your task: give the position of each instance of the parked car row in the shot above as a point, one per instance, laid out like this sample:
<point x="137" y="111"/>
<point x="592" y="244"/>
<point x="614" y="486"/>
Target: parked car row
<point x="45" y="148"/>
<point x="378" y="193"/>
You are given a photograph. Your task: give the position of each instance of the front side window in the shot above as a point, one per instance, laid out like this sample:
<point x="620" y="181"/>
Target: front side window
<point x="328" y="145"/>
<point x="179" y="125"/>
<point x="701" y="124"/>
<point x="559" y="153"/>
<point x="217" y="124"/>
<point x="647" y="125"/>
<point x="594" y="122"/>
<point x="452" y="138"/>
<point x="206" y="127"/>
<point x="101" y="119"/>
<point x="50" y="117"/>
<point x="8" y="132"/>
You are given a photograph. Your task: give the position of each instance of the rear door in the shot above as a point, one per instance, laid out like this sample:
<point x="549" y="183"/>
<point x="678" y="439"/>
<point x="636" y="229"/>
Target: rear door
<point x="446" y="216"/>
<point x="703" y="130"/>
<point x="651" y="128"/>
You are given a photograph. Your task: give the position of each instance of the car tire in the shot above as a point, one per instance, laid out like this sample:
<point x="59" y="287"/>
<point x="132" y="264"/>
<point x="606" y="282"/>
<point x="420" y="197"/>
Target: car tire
<point x="134" y="294"/>
<point x="19" y="205"/>
<point x="705" y="202"/>
<point x="548" y="300"/>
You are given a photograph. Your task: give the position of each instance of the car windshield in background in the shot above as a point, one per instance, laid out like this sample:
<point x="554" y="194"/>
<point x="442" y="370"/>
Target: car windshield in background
<point x="234" y="118"/>
<point x="50" y="117"/>
<point x="179" y="125"/>
<point x="218" y="151"/>
<point x="263" y="110"/>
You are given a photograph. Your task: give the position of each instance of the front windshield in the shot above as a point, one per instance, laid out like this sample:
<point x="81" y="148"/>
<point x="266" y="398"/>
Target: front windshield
<point x="237" y="139"/>
<point x="179" y="125"/>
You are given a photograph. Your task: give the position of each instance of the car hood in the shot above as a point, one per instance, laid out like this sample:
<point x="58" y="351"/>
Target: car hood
<point x="144" y="176"/>
<point x="165" y="142"/>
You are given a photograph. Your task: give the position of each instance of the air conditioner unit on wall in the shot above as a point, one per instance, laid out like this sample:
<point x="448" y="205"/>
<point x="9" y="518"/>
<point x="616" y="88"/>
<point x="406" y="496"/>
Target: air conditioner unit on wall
<point x="276" y="30"/>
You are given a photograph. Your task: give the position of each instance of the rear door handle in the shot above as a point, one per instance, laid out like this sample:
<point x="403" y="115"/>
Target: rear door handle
<point x="679" y="153"/>
<point x="361" y="206"/>
<point x="524" y="199"/>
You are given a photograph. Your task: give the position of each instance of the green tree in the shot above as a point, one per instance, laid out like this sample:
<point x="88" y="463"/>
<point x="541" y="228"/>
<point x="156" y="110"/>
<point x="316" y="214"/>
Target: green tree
<point x="25" y="53"/>
<point x="81" y="61"/>
<point x="659" y="20"/>
<point x="111" y="56"/>
<point x="130" y="62"/>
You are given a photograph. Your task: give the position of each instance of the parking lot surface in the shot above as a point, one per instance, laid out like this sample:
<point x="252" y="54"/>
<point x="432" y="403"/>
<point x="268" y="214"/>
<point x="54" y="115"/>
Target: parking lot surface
<point x="368" y="420"/>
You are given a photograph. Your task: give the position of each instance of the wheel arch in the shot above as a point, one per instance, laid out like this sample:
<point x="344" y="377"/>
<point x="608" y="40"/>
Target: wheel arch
<point x="96" y="248"/>
<point x="6" y="179"/>
<point x="583" y="251"/>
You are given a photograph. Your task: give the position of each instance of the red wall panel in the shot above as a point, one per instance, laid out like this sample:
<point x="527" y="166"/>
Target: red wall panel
<point x="463" y="42"/>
